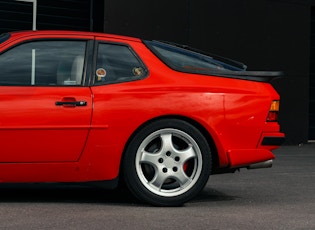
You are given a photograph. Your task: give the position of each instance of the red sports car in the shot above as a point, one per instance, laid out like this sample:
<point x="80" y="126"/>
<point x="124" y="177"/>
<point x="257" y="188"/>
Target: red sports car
<point x="93" y="107"/>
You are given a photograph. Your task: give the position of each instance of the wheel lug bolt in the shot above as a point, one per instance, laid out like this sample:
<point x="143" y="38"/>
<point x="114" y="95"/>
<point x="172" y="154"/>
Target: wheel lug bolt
<point x="175" y="169"/>
<point x="161" y="160"/>
<point x="168" y="153"/>
<point x="177" y="159"/>
<point x="164" y="170"/>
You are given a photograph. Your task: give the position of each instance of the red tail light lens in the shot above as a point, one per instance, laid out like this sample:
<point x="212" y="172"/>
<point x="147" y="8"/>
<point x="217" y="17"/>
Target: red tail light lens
<point x="273" y="111"/>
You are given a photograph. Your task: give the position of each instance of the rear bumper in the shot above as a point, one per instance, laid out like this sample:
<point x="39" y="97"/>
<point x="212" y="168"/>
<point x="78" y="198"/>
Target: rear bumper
<point x="239" y="158"/>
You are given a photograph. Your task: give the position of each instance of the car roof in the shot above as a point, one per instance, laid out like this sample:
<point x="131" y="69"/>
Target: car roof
<point x="19" y="34"/>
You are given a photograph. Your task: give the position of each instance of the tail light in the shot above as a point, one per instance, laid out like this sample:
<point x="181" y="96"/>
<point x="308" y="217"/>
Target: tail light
<point x="273" y="111"/>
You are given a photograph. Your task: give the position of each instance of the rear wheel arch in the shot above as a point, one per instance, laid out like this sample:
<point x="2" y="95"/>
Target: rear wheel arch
<point x="197" y="125"/>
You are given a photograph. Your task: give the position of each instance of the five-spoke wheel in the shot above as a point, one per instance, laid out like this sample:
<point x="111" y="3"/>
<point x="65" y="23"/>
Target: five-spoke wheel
<point x="167" y="163"/>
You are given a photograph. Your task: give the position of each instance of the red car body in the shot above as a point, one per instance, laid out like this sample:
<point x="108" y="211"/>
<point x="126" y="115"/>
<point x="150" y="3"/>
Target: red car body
<point x="43" y="141"/>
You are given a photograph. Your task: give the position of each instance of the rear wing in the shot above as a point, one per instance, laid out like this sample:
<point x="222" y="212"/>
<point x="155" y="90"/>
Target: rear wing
<point x="260" y="76"/>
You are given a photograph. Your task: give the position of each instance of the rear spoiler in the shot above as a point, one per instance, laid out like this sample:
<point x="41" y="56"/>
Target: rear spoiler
<point x="260" y="76"/>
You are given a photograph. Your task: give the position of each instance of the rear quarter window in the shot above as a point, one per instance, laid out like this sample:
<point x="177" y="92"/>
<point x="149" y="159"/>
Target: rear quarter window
<point x="186" y="59"/>
<point x="117" y="63"/>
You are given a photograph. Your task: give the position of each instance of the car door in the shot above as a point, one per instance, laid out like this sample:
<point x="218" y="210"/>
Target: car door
<point x="45" y="109"/>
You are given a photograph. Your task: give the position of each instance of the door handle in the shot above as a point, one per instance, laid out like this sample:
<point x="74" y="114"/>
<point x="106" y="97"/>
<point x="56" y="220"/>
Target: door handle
<point x="71" y="103"/>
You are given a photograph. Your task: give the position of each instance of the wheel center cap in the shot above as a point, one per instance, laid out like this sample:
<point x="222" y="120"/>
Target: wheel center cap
<point x="169" y="162"/>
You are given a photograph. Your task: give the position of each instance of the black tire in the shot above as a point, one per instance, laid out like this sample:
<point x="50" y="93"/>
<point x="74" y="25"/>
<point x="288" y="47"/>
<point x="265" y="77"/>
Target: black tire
<point x="167" y="163"/>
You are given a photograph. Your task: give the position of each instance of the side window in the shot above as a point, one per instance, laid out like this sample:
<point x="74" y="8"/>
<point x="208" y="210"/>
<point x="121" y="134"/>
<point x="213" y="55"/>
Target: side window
<point x="117" y="63"/>
<point x="43" y="63"/>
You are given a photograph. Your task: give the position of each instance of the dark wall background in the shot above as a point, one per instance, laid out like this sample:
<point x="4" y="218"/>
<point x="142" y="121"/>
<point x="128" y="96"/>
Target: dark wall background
<point x="156" y="19"/>
<point x="51" y="14"/>
<point x="312" y="77"/>
<point x="264" y="34"/>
